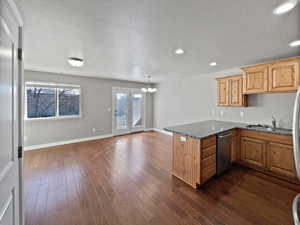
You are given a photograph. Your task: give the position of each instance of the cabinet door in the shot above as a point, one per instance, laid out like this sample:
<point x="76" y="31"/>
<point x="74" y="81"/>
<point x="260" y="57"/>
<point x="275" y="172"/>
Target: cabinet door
<point x="284" y="76"/>
<point x="234" y="148"/>
<point x="280" y="159"/>
<point x="179" y="149"/>
<point x="253" y="151"/>
<point x="255" y="79"/>
<point x="222" y="92"/>
<point x="236" y="97"/>
<point x="186" y="159"/>
<point x="192" y="158"/>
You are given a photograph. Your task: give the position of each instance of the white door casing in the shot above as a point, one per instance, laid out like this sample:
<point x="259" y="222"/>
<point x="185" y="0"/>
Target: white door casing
<point x="10" y="121"/>
<point x="126" y="120"/>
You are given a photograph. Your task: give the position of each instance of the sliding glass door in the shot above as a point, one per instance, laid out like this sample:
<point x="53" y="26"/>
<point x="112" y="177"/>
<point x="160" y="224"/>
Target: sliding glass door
<point x="128" y="110"/>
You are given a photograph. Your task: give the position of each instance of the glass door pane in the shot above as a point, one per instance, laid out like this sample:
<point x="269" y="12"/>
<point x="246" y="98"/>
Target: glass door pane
<point x="137" y="103"/>
<point x="121" y="111"/>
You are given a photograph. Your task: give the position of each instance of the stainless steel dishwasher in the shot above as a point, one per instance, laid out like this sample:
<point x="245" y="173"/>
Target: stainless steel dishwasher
<point x="224" y="152"/>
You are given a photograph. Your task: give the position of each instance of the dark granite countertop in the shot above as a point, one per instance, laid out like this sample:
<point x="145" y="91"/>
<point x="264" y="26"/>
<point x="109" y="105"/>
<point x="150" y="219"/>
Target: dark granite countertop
<point x="208" y="128"/>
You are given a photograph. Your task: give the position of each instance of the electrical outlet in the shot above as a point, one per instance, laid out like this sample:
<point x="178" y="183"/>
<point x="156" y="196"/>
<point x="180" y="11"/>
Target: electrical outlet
<point x="242" y="114"/>
<point x="25" y="138"/>
<point x="221" y="112"/>
<point x="108" y="109"/>
<point x="94" y="130"/>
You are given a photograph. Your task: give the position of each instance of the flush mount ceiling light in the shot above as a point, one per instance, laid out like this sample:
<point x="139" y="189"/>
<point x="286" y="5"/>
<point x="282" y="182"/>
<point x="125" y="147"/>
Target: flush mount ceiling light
<point x="179" y="51"/>
<point x="149" y="89"/>
<point x="76" y="62"/>
<point x="295" y="43"/>
<point x="213" y="64"/>
<point x="285" y="7"/>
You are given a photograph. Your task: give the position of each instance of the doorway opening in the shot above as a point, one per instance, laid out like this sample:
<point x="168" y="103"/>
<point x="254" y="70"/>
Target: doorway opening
<point x="128" y="110"/>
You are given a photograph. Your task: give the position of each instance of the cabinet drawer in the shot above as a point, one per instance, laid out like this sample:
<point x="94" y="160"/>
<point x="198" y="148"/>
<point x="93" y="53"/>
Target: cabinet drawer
<point x="207" y="173"/>
<point x="207" y="142"/>
<point x="208" y="151"/>
<point x="283" y="139"/>
<point x="209" y="161"/>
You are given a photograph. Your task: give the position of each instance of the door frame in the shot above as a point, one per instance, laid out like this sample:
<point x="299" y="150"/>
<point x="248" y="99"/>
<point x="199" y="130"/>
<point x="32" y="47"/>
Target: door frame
<point x="129" y="129"/>
<point x="20" y="104"/>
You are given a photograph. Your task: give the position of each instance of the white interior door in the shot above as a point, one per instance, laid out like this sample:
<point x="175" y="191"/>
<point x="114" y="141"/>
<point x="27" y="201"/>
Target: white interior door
<point x="9" y="119"/>
<point x="128" y="110"/>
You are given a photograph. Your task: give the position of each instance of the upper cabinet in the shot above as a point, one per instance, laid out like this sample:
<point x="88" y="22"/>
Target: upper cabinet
<point x="235" y="88"/>
<point x="277" y="76"/>
<point x="255" y="79"/>
<point x="230" y="91"/>
<point x="222" y="92"/>
<point x="284" y="76"/>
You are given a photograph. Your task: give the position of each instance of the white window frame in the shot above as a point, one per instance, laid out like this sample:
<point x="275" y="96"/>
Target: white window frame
<point x="129" y="128"/>
<point x="56" y="86"/>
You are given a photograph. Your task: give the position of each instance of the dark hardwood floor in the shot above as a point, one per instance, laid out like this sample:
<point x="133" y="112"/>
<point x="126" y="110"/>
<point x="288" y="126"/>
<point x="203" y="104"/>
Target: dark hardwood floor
<point x="126" y="181"/>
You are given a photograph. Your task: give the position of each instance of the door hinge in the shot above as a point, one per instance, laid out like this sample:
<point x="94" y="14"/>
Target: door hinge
<point x="20" y="53"/>
<point x="20" y="152"/>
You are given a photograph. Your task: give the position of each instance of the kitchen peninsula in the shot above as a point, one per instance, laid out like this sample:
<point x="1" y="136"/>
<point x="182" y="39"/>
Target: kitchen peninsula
<point x="194" y="151"/>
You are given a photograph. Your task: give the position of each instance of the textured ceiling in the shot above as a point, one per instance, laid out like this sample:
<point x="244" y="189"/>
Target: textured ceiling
<point x="130" y="39"/>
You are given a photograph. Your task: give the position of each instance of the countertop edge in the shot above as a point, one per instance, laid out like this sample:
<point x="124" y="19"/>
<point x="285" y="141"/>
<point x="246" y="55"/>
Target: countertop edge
<point x="226" y="130"/>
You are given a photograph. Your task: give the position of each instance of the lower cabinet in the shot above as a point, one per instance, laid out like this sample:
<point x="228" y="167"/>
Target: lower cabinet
<point x="235" y="145"/>
<point x="208" y="158"/>
<point x="193" y="160"/>
<point x="263" y="151"/>
<point x="280" y="159"/>
<point x="253" y="151"/>
<point x="186" y="159"/>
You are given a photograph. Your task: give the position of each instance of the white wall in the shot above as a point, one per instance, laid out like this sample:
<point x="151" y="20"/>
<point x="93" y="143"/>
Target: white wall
<point x="194" y="99"/>
<point x="96" y="99"/>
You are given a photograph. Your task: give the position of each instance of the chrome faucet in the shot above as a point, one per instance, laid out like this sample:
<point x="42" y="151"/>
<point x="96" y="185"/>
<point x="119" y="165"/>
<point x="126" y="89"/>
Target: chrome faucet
<point x="273" y="122"/>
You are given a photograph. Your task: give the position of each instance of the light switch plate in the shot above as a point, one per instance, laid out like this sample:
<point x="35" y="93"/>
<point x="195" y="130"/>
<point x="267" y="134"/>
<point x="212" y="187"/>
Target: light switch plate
<point x="183" y="139"/>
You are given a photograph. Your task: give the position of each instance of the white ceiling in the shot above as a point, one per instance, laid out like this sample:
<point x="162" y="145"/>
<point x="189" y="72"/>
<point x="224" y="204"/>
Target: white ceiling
<point x="130" y="39"/>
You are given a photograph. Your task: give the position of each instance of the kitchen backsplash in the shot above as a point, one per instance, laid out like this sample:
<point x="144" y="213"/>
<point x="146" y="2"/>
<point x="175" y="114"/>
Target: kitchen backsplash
<point x="261" y="109"/>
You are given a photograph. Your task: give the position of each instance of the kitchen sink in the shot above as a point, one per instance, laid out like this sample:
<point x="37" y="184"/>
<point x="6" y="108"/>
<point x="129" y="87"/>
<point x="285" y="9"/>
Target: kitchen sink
<point x="259" y="126"/>
<point x="268" y="128"/>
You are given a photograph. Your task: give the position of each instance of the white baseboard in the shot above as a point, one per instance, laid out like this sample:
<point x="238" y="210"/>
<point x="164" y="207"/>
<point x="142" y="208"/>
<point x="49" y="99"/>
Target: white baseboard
<point x="33" y="147"/>
<point x="148" y="129"/>
<point x="162" y="131"/>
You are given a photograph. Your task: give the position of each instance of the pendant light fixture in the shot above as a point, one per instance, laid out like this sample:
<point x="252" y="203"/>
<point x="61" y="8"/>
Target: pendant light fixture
<point x="149" y="89"/>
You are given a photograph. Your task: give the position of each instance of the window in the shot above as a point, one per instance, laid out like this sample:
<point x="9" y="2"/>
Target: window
<point x="68" y="101"/>
<point x="45" y="100"/>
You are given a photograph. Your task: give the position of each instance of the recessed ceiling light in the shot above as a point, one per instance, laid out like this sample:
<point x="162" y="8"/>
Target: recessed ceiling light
<point x="285" y="7"/>
<point x="76" y="62"/>
<point x="179" y="51"/>
<point x="213" y="64"/>
<point x="295" y="43"/>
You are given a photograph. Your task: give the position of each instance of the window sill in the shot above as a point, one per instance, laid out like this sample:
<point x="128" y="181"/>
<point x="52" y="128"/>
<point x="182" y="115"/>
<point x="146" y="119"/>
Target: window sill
<point x="53" y="118"/>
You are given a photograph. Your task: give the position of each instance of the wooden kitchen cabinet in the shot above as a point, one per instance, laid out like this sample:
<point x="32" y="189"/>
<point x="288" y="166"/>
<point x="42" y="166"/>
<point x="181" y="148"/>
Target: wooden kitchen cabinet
<point x="230" y="91"/>
<point x="193" y="160"/>
<point x="269" y="153"/>
<point x="235" y="91"/>
<point x="255" y="79"/>
<point x="223" y="99"/>
<point x="186" y="159"/>
<point x="253" y="151"/>
<point x="208" y="158"/>
<point x="276" y="76"/>
<point x="235" y="145"/>
<point x="280" y="159"/>
<point x="284" y="76"/>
